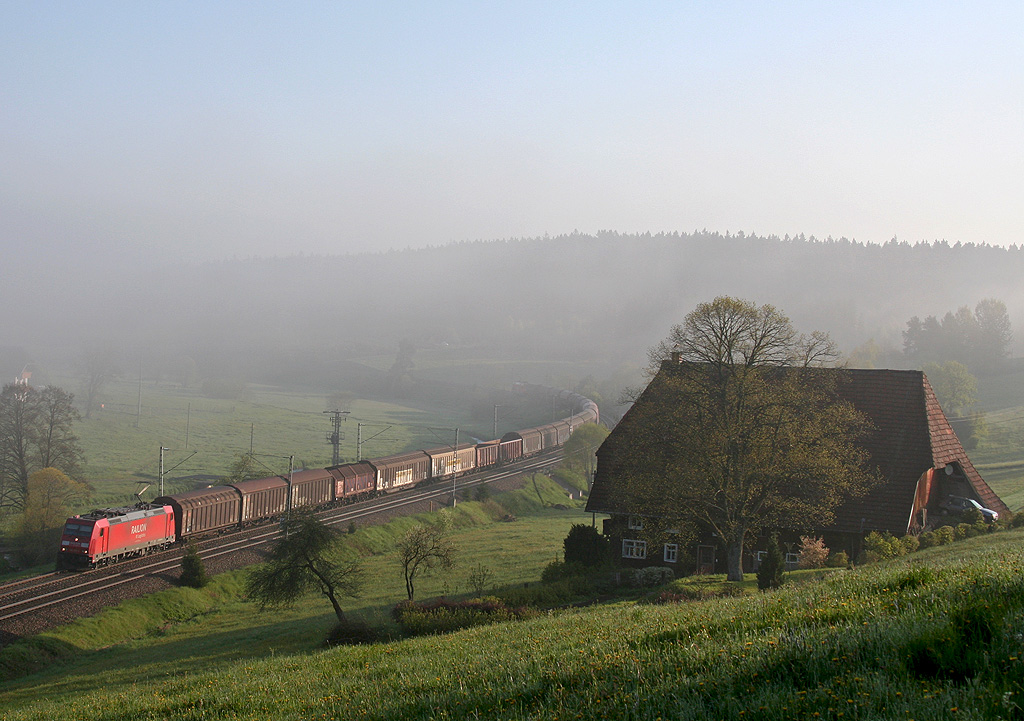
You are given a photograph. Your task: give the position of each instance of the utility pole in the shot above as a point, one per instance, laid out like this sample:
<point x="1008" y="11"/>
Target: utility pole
<point x="455" y="466"/>
<point x="162" y="449"/>
<point x="495" y="432"/>
<point x="288" y="506"/>
<point x="138" y="412"/>
<point x="335" y="437"/>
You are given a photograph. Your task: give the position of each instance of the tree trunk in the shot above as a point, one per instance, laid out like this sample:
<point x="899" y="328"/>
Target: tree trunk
<point x="734" y="557"/>
<point x="337" y="606"/>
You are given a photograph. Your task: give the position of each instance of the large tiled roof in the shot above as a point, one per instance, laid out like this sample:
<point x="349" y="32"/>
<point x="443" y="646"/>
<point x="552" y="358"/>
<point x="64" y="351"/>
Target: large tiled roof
<point x="910" y="435"/>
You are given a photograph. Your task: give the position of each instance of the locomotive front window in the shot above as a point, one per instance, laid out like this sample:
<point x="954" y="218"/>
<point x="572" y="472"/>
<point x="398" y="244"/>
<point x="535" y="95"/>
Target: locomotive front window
<point x="78" y="528"/>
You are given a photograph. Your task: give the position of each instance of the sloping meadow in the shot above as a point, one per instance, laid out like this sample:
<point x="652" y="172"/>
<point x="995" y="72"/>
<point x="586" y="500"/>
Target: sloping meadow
<point x="937" y="635"/>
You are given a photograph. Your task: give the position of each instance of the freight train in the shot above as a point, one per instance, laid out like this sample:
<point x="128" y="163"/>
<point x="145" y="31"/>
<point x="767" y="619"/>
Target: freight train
<point x="111" y="534"/>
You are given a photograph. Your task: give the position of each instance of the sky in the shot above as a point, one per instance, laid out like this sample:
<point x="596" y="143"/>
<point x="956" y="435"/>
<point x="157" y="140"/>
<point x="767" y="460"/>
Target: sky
<point x="195" y="131"/>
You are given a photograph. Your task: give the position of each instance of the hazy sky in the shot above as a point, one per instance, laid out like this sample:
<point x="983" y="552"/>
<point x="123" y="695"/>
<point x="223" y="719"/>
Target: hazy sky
<point x="201" y="130"/>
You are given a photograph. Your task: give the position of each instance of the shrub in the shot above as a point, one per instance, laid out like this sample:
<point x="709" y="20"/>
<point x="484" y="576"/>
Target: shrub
<point x="972" y="516"/>
<point x="878" y="546"/>
<point x="351" y="633"/>
<point x="585" y="546"/>
<point x="839" y="559"/>
<point x="193" y="572"/>
<point x="770" y="573"/>
<point x="652" y="576"/>
<point x="910" y="543"/>
<point x="813" y="552"/>
<point x="443" y="616"/>
<point x="560" y="570"/>
<point x="927" y="540"/>
<point x="944" y="535"/>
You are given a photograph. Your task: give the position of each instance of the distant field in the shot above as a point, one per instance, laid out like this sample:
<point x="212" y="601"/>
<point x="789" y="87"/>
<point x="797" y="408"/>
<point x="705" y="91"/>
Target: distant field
<point x="205" y="435"/>
<point x="1000" y="458"/>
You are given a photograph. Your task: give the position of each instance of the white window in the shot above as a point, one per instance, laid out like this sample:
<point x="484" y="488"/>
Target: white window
<point x="792" y="561"/>
<point x="671" y="552"/>
<point x="635" y="523"/>
<point x="634" y="549"/>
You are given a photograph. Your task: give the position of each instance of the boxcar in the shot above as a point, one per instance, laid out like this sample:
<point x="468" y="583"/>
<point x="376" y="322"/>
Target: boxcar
<point x="510" y="448"/>
<point x="352" y="480"/>
<point x="114" y="533"/>
<point x="550" y="435"/>
<point x="204" y="510"/>
<point x="531" y="438"/>
<point x="401" y="471"/>
<point x="487" y="453"/>
<point x="445" y="461"/>
<point x="312" y="488"/>
<point x="262" y="498"/>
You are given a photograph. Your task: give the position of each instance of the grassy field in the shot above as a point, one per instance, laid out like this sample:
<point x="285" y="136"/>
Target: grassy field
<point x="1000" y="457"/>
<point x="935" y="635"/>
<point x="205" y="435"/>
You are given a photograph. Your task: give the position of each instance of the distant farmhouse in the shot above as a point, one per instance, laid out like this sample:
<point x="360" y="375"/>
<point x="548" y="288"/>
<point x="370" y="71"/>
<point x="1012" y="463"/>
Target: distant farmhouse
<point x="912" y="447"/>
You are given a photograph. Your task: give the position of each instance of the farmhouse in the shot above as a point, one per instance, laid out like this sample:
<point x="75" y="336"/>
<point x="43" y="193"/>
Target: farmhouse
<point x="911" y="447"/>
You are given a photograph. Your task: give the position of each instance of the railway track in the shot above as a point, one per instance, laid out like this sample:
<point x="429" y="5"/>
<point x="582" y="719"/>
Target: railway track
<point x="31" y="605"/>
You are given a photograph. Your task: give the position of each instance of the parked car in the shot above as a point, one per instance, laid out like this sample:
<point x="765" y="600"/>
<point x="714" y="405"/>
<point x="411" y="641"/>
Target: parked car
<point x="959" y="504"/>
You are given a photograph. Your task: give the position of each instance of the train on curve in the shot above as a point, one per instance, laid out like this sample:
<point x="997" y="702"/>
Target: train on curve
<point x="107" y="535"/>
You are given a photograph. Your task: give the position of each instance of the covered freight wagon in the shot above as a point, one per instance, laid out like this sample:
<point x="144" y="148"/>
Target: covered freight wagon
<point x="262" y="498"/>
<point x="487" y="453"/>
<point x="204" y="510"/>
<point x="402" y="470"/>
<point x="445" y="461"/>
<point x="352" y="480"/>
<point x="312" y="488"/>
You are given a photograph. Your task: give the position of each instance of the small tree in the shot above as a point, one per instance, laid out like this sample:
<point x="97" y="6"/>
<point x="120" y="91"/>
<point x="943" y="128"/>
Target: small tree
<point x="305" y="560"/>
<point x="769" y="575"/>
<point x="193" y="571"/>
<point x="243" y="468"/>
<point x="51" y="495"/>
<point x="813" y="552"/>
<point x="585" y="546"/>
<point x="423" y="548"/>
<point x="479" y="577"/>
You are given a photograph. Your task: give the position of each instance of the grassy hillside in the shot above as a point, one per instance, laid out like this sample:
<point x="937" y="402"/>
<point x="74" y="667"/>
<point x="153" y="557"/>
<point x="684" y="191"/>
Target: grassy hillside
<point x="1000" y="457"/>
<point x="936" y="635"/>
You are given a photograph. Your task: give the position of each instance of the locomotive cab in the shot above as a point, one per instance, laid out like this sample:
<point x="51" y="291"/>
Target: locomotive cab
<point x="76" y="543"/>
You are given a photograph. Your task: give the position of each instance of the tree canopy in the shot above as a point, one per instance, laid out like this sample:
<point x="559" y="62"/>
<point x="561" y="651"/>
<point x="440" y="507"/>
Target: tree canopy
<point x="423" y="548"/>
<point x="35" y="433"/>
<point x="744" y="433"/>
<point x="307" y="559"/>
<point x="979" y="339"/>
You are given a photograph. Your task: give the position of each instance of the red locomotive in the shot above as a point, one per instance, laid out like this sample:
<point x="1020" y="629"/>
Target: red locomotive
<point x="110" y="534"/>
